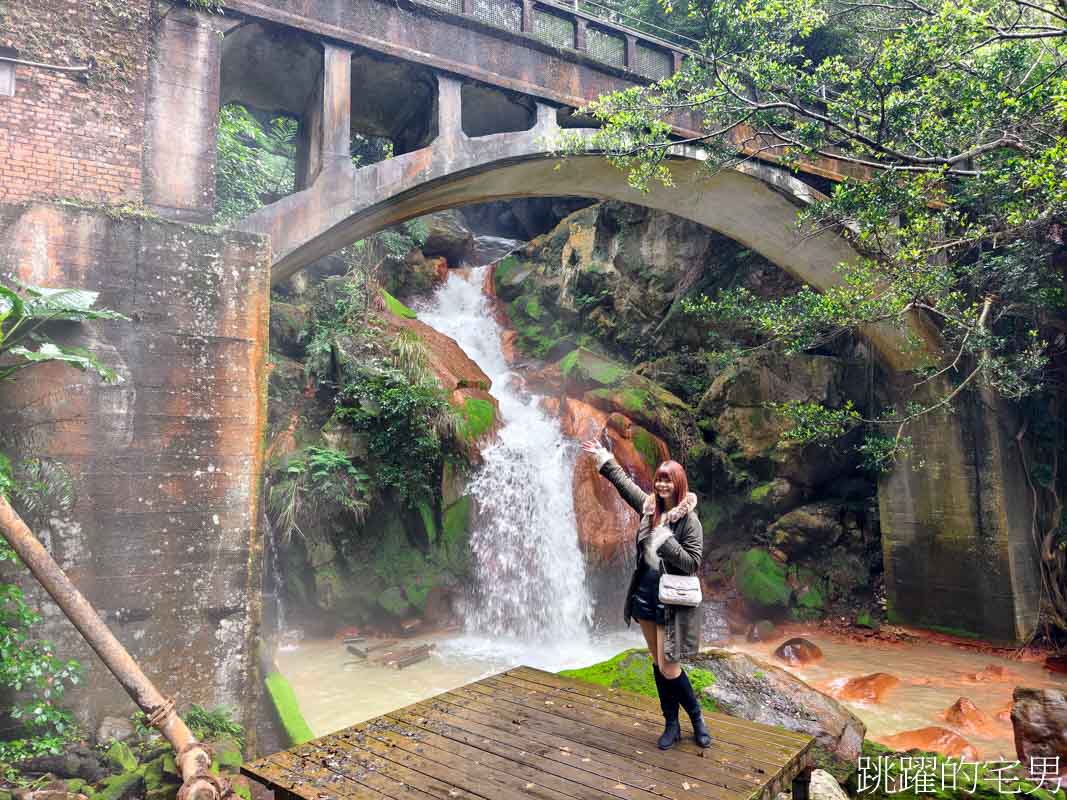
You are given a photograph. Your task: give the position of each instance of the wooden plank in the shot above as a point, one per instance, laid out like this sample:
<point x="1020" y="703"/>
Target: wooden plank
<point x="421" y="781"/>
<point x="585" y="783"/>
<point x="643" y="732"/>
<point x="693" y="766"/>
<point x="518" y="767"/>
<point x="734" y="737"/>
<point x="562" y="757"/>
<point x="771" y="732"/>
<point x="375" y="771"/>
<point x="633" y="768"/>
<point x="307" y="780"/>
<point x="338" y="760"/>
<point x="473" y="777"/>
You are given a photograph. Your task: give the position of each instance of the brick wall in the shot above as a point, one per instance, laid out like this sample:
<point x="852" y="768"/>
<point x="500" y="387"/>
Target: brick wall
<point x="66" y="134"/>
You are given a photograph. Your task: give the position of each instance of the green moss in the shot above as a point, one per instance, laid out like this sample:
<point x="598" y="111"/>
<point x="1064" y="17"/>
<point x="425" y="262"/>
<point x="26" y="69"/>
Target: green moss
<point x="631" y="671"/>
<point x="478" y="418"/>
<point x="284" y="700"/>
<point x="645" y="444"/>
<point x="761" y="580"/>
<point x="585" y="364"/>
<point x="863" y="619"/>
<point x="242" y="791"/>
<point x="396" y="307"/>
<point x="533" y="308"/>
<point x="760" y="493"/>
<point x="812" y="598"/>
<point x="456" y="520"/>
<point x="76" y="785"/>
<point x="505" y="269"/>
<point x="428" y="522"/>
<point x="951" y="631"/>
<point x="394" y="601"/>
<point x="126" y="784"/>
<point x="122" y="757"/>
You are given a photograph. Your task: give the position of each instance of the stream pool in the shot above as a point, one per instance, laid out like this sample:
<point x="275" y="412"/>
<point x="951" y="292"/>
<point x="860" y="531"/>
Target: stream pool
<point x="335" y="691"/>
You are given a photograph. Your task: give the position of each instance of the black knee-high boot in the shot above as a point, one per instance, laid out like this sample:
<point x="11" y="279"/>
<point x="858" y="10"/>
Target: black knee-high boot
<point x="683" y="690"/>
<point x="668" y="702"/>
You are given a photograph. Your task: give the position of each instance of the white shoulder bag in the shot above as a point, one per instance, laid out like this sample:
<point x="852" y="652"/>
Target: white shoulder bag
<point x="679" y="590"/>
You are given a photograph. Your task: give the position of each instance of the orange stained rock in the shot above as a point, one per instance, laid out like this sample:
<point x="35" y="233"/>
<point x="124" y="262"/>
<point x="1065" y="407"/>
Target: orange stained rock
<point x="933" y="739"/>
<point x="866" y="688"/>
<point x="966" y="716"/>
<point x="798" y="651"/>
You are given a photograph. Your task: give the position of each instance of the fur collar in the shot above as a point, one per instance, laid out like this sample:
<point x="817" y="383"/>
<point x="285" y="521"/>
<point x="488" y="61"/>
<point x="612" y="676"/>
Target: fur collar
<point x="676" y="513"/>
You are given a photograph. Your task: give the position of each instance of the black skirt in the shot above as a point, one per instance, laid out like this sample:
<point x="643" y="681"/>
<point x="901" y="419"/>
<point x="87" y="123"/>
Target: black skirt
<point x="644" y="602"/>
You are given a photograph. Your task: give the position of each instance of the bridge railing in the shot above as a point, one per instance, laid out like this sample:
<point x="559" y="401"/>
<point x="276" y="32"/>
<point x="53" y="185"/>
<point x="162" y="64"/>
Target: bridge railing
<point x="568" y="28"/>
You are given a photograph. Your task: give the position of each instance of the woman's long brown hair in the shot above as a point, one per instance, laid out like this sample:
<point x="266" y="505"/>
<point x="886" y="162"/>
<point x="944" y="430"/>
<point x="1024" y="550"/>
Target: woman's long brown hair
<point x="675" y="472"/>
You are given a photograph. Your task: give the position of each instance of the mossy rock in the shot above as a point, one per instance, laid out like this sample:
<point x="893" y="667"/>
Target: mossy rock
<point x="479" y="417"/>
<point x="288" y="710"/>
<point x="121" y="757"/>
<point x="227" y="754"/>
<point x="394" y="601"/>
<point x="396" y="307"/>
<point x="631" y="671"/>
<point x="74" y="786"/>
<point x="121" y="787"/>
<point x="456" y="522"/>
<point x="582" y="367"/>
<point x="762" y="581"/>
<point x="429" y="523"/>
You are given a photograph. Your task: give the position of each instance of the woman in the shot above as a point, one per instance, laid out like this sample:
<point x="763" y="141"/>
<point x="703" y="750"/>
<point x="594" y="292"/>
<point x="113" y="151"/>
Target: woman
<point x="669" y="539"/>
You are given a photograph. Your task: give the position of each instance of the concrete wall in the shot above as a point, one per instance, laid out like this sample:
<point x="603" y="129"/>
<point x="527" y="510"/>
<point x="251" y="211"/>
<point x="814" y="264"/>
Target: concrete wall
<point x="163" y="537"/>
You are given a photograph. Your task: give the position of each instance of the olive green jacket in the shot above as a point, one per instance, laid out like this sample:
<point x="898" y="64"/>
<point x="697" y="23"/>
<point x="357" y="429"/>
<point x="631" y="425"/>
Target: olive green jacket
<point x="681" y="556"/>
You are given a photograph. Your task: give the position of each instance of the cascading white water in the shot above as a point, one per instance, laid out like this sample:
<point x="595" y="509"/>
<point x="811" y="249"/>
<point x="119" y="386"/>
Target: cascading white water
<point x="530" y="590"/>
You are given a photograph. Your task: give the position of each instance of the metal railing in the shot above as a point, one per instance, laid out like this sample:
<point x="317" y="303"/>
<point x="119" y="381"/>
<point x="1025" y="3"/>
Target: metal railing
<point x="568" y="28"/>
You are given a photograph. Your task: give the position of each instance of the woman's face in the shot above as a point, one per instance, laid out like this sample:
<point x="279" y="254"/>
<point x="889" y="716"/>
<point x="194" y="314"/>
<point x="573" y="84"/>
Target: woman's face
<point x="664" y="486"/>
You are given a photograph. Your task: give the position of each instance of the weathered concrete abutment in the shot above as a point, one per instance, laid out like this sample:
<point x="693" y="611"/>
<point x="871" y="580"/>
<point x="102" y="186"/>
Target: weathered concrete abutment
<point x="162" y="538"/>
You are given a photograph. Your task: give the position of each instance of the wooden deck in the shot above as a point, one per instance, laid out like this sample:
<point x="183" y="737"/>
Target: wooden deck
<point x="531" y="734"/>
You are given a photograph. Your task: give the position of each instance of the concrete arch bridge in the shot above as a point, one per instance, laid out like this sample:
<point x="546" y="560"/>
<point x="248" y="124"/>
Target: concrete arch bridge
<point x="471" y="94"/>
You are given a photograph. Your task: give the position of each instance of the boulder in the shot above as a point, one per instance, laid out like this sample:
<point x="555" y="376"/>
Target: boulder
<point x="824" y="786"/>
<point x="605" y="522"/>
<point x="754" y="690"/>
<point x="798" y="651"/>
<point x="118" y="729"/>
<point x="447" y="235"/>
<point x="966" y="716"/>
<point x="738" y="407"/>
<point x="807" y="531"/>
<point x="1039" y="720"/>
<point x="776" y="496"/>
<point x="287" y="323"/>
<point x="932" y="740"/>
<point x="762" y="581"/>
<point x="864" y="689"/>
<point x="76" y="762"/>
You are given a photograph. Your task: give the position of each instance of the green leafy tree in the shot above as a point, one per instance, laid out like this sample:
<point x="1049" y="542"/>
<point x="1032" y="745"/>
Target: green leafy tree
<point x="956" y="110"/>
<point x="256" y="162"/>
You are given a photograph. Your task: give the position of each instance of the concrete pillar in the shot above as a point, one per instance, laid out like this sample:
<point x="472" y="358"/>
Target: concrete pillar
<point x="326" y="126"/>
<point x="449" y="108"/>
<point x="956" y="525"/>
<point x="183" y="114"/>
<point x="336" y="106"/>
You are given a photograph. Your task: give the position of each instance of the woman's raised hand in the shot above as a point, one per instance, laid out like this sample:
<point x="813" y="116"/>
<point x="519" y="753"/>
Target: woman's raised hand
<point x="596" y="449"/>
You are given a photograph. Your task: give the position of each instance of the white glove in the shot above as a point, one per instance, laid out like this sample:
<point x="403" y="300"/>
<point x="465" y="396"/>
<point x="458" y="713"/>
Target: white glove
<point x="653" y="543"/>
<point x="602" y="455"/>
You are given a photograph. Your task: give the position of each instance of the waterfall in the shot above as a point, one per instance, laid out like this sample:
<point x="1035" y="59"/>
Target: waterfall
<point x="530" y="583"/>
